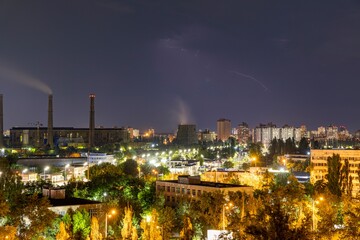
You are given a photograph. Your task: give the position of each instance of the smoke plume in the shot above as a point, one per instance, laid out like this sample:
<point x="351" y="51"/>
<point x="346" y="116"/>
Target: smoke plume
<point x="12" y="75"/>
<point x="182" y="112"/>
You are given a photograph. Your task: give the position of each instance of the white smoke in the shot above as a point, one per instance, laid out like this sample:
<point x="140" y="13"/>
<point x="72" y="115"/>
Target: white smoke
<point x="182" y="112"/>
<point x="12" y="75"/>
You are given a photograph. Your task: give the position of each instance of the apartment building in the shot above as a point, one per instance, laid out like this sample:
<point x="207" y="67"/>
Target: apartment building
<point x="191" y="187"/>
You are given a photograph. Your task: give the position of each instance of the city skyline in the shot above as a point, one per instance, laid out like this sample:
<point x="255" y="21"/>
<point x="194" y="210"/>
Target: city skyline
<point x="155" y="65"/>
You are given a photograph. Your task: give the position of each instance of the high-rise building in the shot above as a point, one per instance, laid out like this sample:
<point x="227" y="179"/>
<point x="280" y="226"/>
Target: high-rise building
<point x="223" y="129"/>
<point x="343" y="134"/>
<point x="265" y="133"/>
<point x="243" y="133"/>
<point x="321" y="131"/>
<point x="303" y="132"/>
<point x="332" y="132"/>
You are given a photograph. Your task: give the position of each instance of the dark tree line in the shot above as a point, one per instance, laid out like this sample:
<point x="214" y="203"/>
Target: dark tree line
<point x="281" y="147"/>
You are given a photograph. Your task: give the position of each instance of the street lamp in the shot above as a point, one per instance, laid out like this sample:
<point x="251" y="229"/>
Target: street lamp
<point x="225" y="206"/>
<point x="45" y="169"/>
<point x="108" y="215"/>
<point x="66" y="166"/>
<point x="148" y="218"/>
<point x="313" y="211"/>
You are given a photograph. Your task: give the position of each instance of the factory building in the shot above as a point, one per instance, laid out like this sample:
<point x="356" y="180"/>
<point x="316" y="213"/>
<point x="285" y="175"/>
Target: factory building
<point x="30" y="136"/>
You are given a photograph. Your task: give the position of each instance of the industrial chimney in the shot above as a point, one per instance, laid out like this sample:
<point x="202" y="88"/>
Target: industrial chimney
<point x="50" y="136"/>
<point x="92" y="120"/>
<point x="1" y="122"/>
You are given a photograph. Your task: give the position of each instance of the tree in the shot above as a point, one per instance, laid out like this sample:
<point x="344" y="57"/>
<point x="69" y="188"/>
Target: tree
<point x="134" y="234"/>
<point x="167" y="217"/>
<point x="4" y="206"/>
<point x="303" y="146"/>
<point x="346" y="179"/>
<point x="255" y="150"/>
<point x="107" y="169"/>
<point x="62" y="234"/>
<point x="290" y="146"/>
<point x="150" y="226"/>
<point x="94" y="232"/>
<point x="278" y="225"/>
<point x="8" y="232"/>
<point x="31" y="215"/>
<point x="334" y="174"/>
<point x="246" y="166"/>
<point x="283" y="212"/>
<point x="130" y="167"/>
<point x="81" y="224"/>
<point x="228" y="164"/>
<point x="320" y="186"/>
<point x="127" y="229"/>
<point x="146" y="169"/>
<point x="11" y="187"/>
<point x="163" y="170"/>
<point x="146" y="195"/>
<point x="210" y="208"/>
<point x="187" y="231"/>
<point x="352" y="222"/>
<point x="51" y="231"/>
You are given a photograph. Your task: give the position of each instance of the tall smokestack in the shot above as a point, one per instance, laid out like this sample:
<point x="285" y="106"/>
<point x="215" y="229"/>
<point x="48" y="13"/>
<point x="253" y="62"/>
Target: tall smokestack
<point x="50" y="137"/>
<point x="1" y="122"/>
<point x="92" y="120"/>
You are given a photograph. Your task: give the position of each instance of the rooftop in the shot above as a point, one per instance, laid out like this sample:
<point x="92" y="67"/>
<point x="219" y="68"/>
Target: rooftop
<point x="207" y="184"/>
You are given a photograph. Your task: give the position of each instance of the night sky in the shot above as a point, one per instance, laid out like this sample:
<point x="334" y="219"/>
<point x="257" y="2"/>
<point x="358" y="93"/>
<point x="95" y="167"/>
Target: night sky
<point x="160" y="63"/>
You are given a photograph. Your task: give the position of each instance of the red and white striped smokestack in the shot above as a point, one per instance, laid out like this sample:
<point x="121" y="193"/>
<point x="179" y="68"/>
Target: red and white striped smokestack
<point x="92" y="120"/>
<point x="1" y="122"/>
<point x="50" y="136"/>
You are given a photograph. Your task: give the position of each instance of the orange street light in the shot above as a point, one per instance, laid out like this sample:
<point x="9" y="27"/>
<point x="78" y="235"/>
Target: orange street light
<point x="107" y="216"/>
<point x="254" y="160"/>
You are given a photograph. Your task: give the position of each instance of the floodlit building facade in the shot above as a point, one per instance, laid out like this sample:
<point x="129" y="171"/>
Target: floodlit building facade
<point x="320" y="167"/>
<point x="191" y="187"/>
